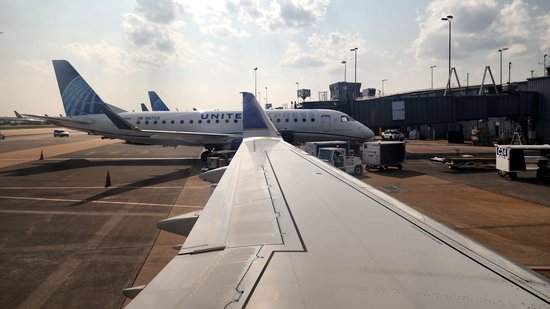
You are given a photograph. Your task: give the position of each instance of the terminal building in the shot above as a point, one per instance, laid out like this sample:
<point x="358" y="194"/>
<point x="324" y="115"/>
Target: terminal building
<point x="504" y="113"/>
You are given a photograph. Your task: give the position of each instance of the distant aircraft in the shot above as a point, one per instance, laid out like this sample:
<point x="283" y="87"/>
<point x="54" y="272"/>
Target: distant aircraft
<point x="144" y="108"/>
<point x="283" y="229"/>
<point x="157" y="104"/>
<point x="214" y="130"/>
<point x="19" y="120"/>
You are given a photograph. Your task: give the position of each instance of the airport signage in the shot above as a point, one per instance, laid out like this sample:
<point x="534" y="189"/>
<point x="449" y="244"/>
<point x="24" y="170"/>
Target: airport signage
<point x="502" y="151"/>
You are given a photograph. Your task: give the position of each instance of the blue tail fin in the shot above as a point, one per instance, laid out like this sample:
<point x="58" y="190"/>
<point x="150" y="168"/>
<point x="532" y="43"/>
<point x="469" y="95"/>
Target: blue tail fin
<point x="77" y="96"/>
<point x="255" y="120"/>
<point x="157" y="104"/>
<point x="144" y="108"/>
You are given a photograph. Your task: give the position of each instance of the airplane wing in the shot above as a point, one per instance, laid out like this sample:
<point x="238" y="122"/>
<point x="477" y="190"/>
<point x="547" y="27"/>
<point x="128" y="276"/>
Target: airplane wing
<point x="58" y="121"/>
<point x="285" y="230"/>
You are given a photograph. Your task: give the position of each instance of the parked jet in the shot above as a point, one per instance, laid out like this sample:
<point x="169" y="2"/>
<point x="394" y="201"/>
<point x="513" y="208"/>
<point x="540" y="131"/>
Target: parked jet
<point x="86" y="111"/>
<point x="157" y="104"/>
<point x="19" y="120"/>
<point x="283" y="229"/>
<point x="144" y="108"/>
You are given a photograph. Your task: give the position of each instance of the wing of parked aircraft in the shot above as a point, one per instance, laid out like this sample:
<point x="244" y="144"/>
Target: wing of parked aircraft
<point x="285" y="230"/>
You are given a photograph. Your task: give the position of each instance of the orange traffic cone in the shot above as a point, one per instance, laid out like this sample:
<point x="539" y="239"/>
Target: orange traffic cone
<point x="41" y="155"/>
<point x="108" y="180"/>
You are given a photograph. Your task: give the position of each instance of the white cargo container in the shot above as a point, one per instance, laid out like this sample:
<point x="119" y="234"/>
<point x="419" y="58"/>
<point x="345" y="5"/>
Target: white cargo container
<point x="382" y="155"/>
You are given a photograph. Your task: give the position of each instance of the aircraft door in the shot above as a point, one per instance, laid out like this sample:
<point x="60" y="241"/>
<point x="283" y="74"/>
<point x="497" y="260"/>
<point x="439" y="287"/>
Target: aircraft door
<point x="325" y="123"/>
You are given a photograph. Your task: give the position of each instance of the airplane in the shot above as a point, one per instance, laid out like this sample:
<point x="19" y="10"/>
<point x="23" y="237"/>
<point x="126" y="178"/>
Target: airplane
<point x="144" y="108"/>
<point x="19" y="120"/>
<point x="157" y="104"/>
<point x="283" y="229"/>
<point x="215" y="130"/>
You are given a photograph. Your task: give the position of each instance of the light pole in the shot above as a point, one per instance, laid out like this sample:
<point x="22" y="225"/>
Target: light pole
<point x="344" y="63"/>
<point x="500" y="51"/>
<point x="544" y="63"/>
<point x="449" y="18"/>
<point x="355" y="63"/>
<point x="385" y="79"/>
<point x="255" y="82"/>
<point x="509" y="71"/>
<point x="432" y="68"/>
<point x="265" y="96"/>
<point x="297" y="92"/>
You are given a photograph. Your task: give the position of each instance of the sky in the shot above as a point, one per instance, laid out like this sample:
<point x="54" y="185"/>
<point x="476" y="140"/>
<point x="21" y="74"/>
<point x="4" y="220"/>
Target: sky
<point x="202" y="54"/>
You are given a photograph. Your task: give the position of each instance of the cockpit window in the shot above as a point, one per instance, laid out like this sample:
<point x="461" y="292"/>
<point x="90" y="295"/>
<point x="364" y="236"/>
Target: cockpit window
<point x="344" y="118"/>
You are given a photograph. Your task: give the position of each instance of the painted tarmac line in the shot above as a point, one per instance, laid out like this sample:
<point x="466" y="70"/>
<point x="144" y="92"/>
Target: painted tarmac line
<point x="96" y="202"/>
<point x="95" y="187"/>
<point x="81" y="213"/>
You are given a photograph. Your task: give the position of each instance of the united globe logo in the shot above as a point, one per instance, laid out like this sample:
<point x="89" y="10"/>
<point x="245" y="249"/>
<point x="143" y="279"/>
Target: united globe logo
<point x="79" y="98"/>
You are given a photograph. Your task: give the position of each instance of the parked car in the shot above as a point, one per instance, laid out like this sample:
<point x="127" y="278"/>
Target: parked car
<point x="60" y="133"/>
<point x="392" y="135"/>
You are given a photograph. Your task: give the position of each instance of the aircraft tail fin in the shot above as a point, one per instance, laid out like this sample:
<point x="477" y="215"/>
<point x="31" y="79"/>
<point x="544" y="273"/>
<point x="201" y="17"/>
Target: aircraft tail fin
<point x="77" y="96"/>
<point x="17" y="114"/>
<point x="157" y="104"/>
<point x="144" y="108"/>
<point x="256" y="123"/>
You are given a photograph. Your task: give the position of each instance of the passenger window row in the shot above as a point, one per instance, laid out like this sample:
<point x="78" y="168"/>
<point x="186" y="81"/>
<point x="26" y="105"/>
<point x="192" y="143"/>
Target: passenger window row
<point x="295" y="120"/>
<point x="217" y="121"/>
<point x="182" y="121"/>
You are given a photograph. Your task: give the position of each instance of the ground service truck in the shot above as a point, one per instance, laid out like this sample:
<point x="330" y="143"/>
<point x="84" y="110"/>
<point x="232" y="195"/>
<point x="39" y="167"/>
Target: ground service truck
<point x="336" y="153"/>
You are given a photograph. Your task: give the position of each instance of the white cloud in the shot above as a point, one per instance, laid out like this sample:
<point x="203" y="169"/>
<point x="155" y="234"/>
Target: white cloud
<point x="43" y="66"/>
<point x="322" y="50"/>
<point x="159" y="11"/>
<point x="215" y="17"/>
<point x="113" y="59"/>
<point x="223" y="30"/>
<point x="156" y="34"/>
<point x="292" y="14"/>
<point x="479" y="26"/>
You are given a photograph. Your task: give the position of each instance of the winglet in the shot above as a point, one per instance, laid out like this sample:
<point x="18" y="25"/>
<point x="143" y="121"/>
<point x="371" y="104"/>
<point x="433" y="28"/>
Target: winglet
<point x="157" y="104"/>
<point x="255" y="120"/>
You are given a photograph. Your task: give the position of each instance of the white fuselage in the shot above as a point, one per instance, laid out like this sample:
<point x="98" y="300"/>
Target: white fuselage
<point x="304" y="125"/>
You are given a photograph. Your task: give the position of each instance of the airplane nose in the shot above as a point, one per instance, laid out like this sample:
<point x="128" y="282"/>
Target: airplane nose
<point x="370" y="134"/>
<point x="367" y="133"/>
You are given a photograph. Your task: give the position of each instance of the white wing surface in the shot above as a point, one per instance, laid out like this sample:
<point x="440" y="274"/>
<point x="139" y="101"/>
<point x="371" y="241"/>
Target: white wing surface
<point x="285" y="230"/>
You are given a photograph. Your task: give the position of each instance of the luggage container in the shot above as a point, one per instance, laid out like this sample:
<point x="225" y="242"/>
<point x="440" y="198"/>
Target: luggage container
<point x="383" y="155"/>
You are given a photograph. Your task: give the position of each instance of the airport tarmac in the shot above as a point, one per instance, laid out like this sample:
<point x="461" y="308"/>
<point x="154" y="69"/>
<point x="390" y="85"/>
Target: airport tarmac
<point x="67" y="241"/>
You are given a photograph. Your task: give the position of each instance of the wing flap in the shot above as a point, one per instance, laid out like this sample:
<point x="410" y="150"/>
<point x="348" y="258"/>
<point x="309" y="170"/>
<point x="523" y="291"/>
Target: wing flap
<point x="181" y="283"/>
<point x="240" y="212"/>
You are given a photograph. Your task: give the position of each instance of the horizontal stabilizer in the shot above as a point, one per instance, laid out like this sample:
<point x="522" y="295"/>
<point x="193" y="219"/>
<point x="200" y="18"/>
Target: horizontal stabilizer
<point x="119" y="122"/>
<point x="213" y="175"/>
<point x="181" y="225"/>
<point x="133" y="291"/>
